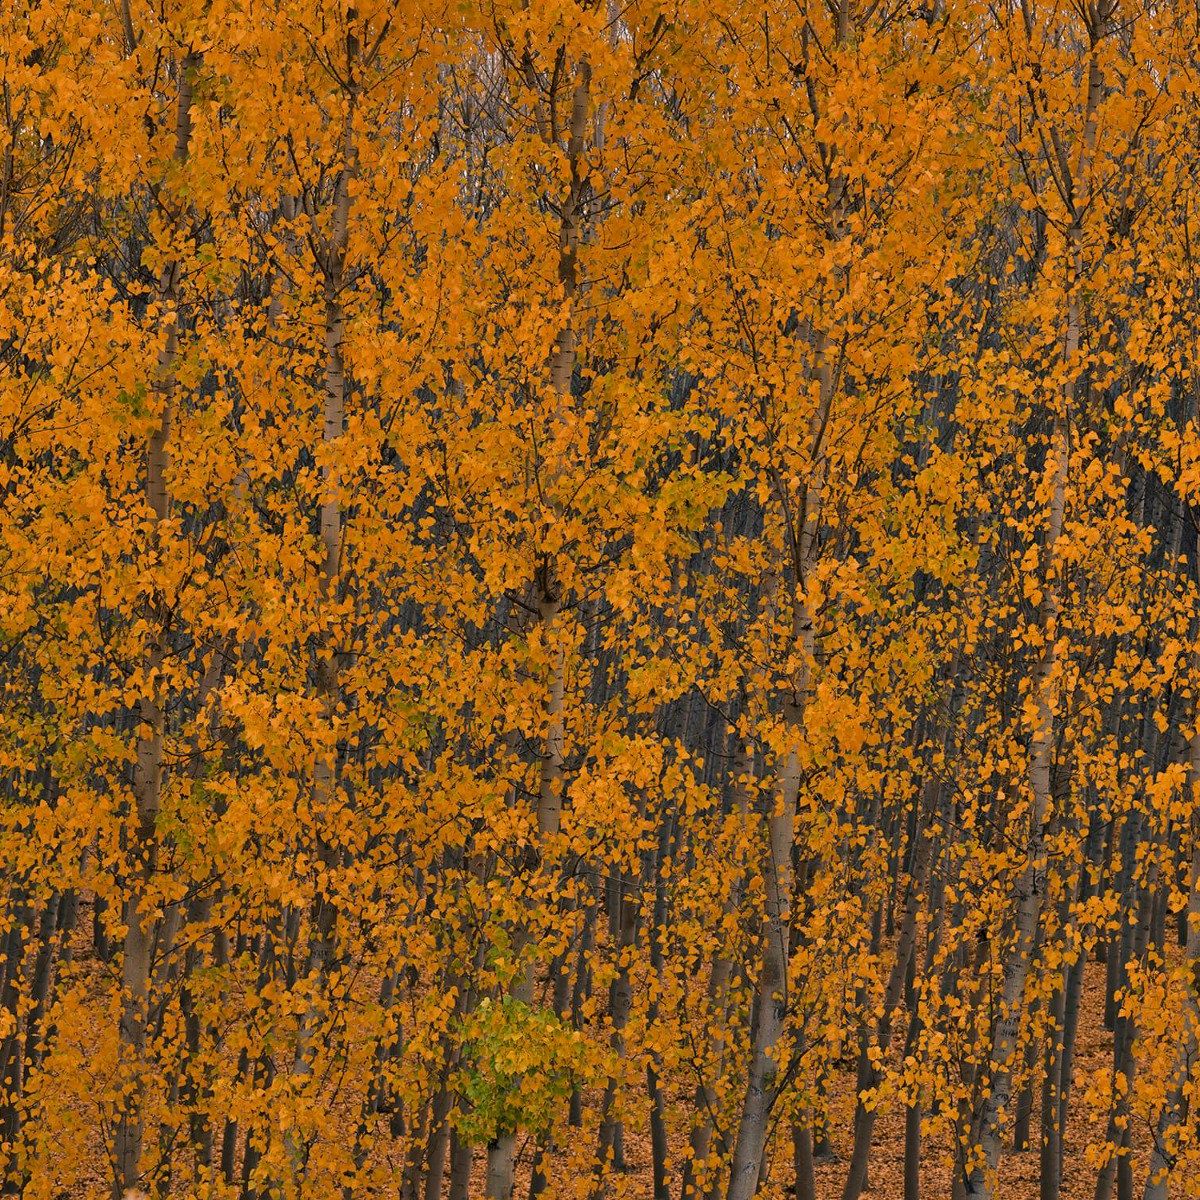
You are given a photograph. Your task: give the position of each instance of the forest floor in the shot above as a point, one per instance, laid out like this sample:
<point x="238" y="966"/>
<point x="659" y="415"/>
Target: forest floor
<point x="1019" y="1171"/>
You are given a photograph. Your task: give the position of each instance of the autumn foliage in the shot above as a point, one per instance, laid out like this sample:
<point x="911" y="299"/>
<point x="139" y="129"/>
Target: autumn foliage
<point x="593" y="585"/>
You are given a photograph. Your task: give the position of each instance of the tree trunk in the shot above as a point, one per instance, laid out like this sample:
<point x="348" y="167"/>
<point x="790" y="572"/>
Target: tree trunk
<point x="868" y="1073"/>
<point x="1051" y="1147"/>
<point x="802" y="1161"/>
<point x="502" y="1151"/>
<point x="771" y="996"/>
<point x="332" y="262"/>
<point x="151" y="707"/>
<point x="1030" y="890"/>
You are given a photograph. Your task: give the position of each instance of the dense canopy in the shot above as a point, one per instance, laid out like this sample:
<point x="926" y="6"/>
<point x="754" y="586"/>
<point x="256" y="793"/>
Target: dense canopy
<point x="599" y="598"/>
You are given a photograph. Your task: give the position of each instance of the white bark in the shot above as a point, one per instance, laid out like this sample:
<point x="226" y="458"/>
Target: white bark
<point x="1031" y="886"/>
<point x="501" y="1161"/>
<point x="325" y="771"/>
<point x="140" y="919"/>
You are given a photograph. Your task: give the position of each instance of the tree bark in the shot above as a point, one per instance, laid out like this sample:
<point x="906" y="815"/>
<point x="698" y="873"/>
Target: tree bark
<point x="502" y="1151"/>
<point x="140" y="919"/>
<point x="1030" y="890"/>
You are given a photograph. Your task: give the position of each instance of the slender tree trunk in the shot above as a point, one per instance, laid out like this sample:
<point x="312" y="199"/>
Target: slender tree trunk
<point x="1051" y="1148"/>
<point x="1074" y="990"/>
<point x="331" y="253"/>
<point x="802" y="1160"/>
<point x="619" y="1003"/>
<point x="771" y="997"/>
<point x="462" y="1158"/>
<point x="1031" y="887"/>
<point x="912" y="1151"/>
<point x="151" y="707"/>
<point x="1117" y="1167"/>
<point x="868" y="1072"/>
<point x="1174" y="1112"/>
<point x="718" y="992"/>
<point x="502" y="1151"/>
<point x="658" y="922"/>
